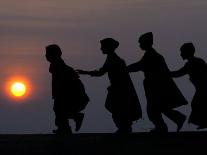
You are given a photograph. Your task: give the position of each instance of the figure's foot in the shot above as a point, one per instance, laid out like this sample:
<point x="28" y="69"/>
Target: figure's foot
<point x="62" y="131"/>
<point x="181" y="122"/>
<point x="159" y="130"/>
<point x="78" y="121"/>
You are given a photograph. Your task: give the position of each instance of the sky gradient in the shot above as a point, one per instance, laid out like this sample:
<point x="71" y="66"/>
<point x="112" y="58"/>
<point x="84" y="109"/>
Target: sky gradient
<point x="26" y="27"/>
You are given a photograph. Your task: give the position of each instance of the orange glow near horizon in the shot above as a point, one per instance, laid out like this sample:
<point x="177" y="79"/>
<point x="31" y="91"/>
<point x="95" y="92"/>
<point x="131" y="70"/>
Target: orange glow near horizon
<point x="18" y="88"/>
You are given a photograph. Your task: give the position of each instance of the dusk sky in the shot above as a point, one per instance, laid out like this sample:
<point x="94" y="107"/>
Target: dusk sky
<point x="26" y="27"/>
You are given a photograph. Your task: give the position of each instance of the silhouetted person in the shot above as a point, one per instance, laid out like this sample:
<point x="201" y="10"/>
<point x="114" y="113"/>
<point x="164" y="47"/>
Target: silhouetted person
<point x="67" y="91"/>
<point x="161" y="92"/>
<point x="196" y="68"/>
<point x="122" y="100"/>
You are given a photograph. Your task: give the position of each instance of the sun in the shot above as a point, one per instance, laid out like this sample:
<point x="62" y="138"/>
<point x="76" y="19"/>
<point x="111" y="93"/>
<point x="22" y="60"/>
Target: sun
<point x="18" y="89"/>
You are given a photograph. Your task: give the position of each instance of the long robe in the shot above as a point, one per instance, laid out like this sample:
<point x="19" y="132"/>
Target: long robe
<point x="67" y="89"/>
<point x="161" y="91"/>
<point x="122" y="99"/>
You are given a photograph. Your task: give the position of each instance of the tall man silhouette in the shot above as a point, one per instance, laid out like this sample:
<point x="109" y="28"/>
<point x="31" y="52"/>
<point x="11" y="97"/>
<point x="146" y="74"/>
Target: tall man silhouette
<point x="67" y="91"/>
<point x="161" y="92"/>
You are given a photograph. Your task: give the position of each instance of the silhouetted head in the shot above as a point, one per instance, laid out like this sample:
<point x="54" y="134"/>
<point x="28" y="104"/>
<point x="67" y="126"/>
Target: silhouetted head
<point x="53" y="52"/>
<point x="108" y="45"/>
<point x="146" y="41"/>
<point x="187" y="51"/>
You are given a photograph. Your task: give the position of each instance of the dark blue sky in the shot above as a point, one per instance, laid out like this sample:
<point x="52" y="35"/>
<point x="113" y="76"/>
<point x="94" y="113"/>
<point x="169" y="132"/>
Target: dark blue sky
<point x="26" y="27"/>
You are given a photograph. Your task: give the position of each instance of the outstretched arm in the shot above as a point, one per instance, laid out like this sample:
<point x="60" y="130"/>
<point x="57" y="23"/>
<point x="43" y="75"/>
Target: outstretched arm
<point x="99" y="72"/>
<point x="179" y="73"/>
<point x="79" y="71"/>
<point x="135" y="67"/>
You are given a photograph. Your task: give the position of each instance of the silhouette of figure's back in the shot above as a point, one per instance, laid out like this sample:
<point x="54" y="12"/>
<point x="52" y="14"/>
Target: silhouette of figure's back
<point x="161" y="92"/>
<point x="67" y="91"/>
<point x="196" y="68"/>
<point x="67" y="86"/>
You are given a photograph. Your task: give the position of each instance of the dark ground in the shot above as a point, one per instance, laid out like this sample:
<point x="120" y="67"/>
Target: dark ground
<point x="102" y="144"/>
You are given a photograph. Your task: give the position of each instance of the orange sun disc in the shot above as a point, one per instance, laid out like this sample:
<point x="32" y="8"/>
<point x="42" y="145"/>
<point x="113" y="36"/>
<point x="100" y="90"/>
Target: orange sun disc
<point x="18" y="89"/>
